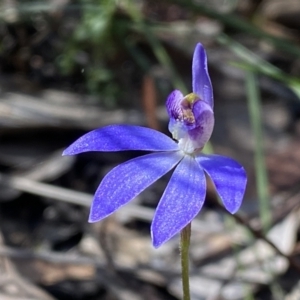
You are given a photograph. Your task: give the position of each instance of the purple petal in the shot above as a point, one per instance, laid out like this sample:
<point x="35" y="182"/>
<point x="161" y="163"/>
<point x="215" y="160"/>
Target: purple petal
<point x="129" y="179"/>
<point x="201" y="80"/>
<point x="181" y="201"/>
<point x="120" y="138"/>
<point x="174" y="108"/>
<point x="229" y="178"/>
<point x="205" y="121"/>
<point x="173" y="104"/>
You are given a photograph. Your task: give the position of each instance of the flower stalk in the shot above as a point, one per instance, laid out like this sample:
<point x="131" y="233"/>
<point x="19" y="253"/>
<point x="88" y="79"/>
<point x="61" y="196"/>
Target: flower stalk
<point x="185" y="237"/>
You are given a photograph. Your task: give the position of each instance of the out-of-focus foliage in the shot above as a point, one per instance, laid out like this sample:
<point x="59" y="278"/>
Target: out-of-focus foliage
<point x="104" y="38"/>
<point x="93" y="46"/>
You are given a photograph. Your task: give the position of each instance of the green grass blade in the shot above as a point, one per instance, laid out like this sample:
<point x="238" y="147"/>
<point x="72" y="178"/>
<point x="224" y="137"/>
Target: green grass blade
<point x="254" y="105"/>
<point x="256" y="64"/>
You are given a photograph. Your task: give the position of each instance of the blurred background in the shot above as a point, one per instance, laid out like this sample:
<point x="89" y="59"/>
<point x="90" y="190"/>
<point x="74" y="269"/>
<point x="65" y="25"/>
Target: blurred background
<point x="69" y="66"/>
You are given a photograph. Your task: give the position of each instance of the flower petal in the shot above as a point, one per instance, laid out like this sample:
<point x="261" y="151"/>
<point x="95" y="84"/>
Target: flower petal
<point x="229" y="178"/>
<point x="173" y="104"/>
<point x="201" y="80"/>
<point x="181" y="201"/>
<point x="129" y="179"/>
<point x="120" y="138"/>
<point x="205" y="121"/>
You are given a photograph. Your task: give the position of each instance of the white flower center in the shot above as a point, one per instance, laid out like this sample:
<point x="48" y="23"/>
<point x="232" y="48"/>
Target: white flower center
<point x="187" y="145"/>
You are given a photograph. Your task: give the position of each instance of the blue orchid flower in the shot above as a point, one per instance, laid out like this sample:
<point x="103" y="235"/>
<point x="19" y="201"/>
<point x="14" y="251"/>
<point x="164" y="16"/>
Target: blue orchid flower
<point x="191" y="124"/>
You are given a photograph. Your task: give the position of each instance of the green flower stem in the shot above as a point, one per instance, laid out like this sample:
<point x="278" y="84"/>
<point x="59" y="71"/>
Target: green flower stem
<point x="185" y="236"/>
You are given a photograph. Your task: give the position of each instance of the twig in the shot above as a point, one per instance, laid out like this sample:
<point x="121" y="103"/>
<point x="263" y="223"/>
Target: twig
<point x="77" y="259"/>
<point x="258" y="234"/>
<point x="83" y="199"/>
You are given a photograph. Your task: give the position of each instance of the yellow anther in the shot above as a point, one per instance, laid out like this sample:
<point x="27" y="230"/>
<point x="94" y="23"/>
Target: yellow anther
<point x="189" y="99"/>
<point x="187" y="105"/>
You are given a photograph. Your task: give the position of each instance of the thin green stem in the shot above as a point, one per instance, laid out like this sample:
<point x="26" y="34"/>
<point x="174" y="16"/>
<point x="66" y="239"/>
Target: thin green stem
<point x="184" y="251"/>
<point x="254" y="104"/>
